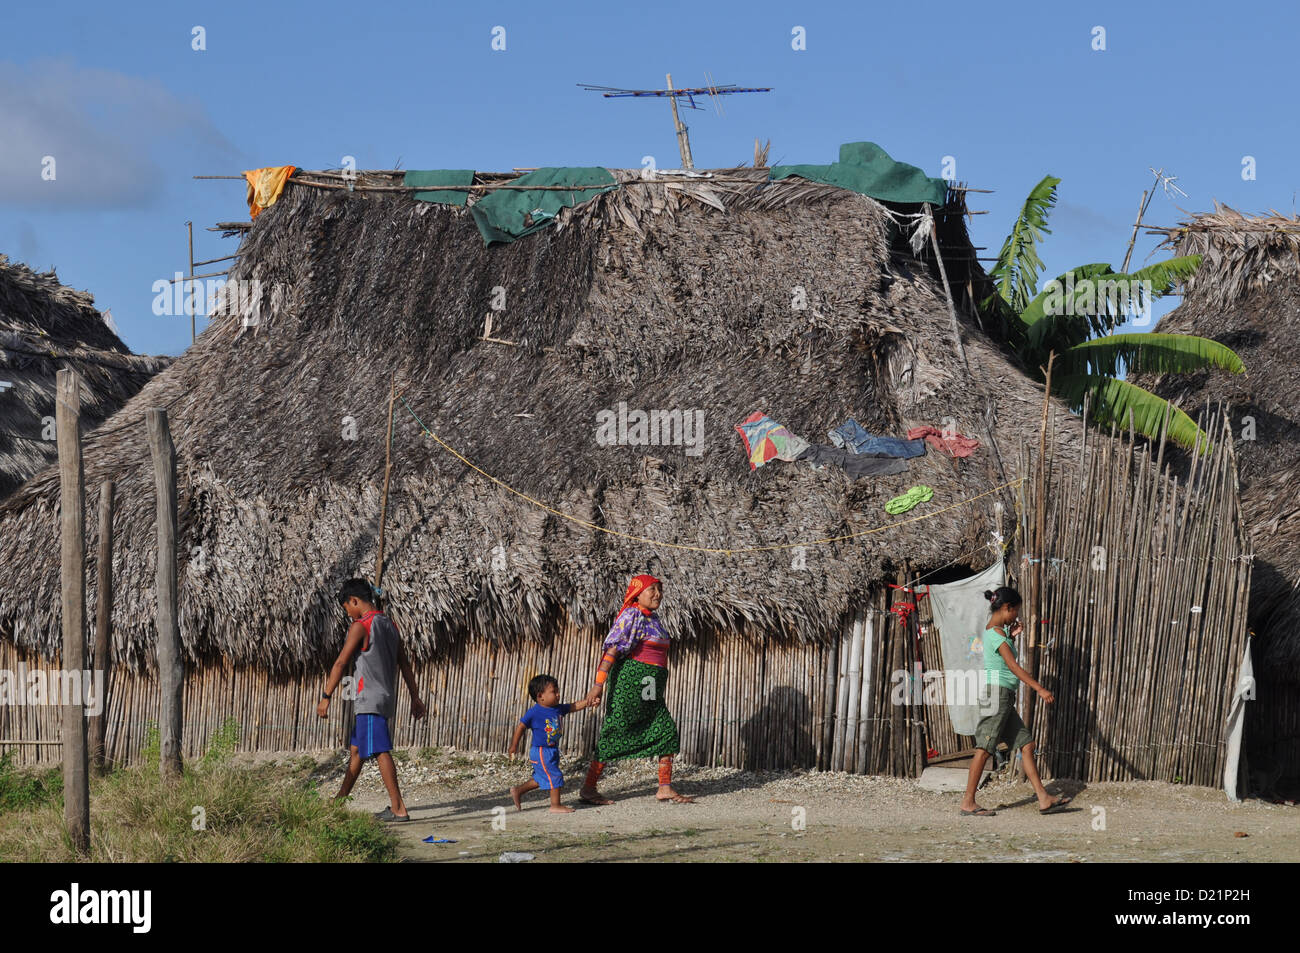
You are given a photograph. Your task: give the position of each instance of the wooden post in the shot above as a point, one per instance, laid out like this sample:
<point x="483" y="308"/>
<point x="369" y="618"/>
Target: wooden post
<point x="190" y="300"/>
<point x="683" y="140"/>
<point x="72" y="533"/>
<point x="171" y="667"/>
<point x="103" y="625"/>
<point x="947" y="291"/>
<point x="1147" y="195"/>
<point x="388" y="472"/>
<point x="1039" y="548"/>
<point x="1128" y="255"/>
<point x="854" y="706"/>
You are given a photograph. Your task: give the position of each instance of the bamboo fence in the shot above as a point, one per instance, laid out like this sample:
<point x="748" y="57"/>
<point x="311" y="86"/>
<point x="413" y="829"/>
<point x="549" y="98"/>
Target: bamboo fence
<point x="1145" y="583"/>
<point x="739" y="700"/>
<point x="1141" y="653"/>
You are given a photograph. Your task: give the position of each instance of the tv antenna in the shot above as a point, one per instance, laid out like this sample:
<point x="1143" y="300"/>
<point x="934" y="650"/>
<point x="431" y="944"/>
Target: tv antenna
<point x="688" y="95"/>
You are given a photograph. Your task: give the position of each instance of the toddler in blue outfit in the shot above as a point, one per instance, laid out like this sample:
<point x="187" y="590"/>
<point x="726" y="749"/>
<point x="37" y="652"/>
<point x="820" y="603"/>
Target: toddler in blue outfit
<point x="546" y="719"/>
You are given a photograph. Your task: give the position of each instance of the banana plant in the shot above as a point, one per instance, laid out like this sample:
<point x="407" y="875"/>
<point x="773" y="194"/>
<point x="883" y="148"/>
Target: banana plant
<point x="1075" y="316"/>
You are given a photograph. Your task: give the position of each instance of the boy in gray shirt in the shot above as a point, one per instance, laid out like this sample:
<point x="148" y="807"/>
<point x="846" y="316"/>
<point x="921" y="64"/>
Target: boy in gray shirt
<point x="375" y="642"/>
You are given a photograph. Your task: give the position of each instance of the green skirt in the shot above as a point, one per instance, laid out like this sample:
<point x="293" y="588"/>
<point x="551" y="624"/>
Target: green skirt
<point x="637" y="723"/>
<point x="1003" y="725"/>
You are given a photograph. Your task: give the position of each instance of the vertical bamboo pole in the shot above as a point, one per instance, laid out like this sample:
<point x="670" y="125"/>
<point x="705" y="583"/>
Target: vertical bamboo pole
<point x="826" y="755"/>
<point x="841" y="701"/>
<point x="683" y="140"/>
<point x="388" y="472"/>
<point x="103" y="620"/>
<point x="864" y="711"/>
<point x="171" y="666"/>
<point x="943" y="275"/>
<point x="854" y="686"/>
<point x="72" y="533"/>
<point x="189" y="302"/>
<point x="1040" y="546"/>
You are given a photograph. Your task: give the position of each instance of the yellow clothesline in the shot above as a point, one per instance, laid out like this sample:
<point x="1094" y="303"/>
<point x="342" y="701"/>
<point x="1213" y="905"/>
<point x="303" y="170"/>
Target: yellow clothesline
<point x="696" y="549"/>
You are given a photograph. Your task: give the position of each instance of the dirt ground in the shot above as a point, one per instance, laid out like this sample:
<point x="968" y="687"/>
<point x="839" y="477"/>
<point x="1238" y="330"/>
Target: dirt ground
<point x="748" y="816"/>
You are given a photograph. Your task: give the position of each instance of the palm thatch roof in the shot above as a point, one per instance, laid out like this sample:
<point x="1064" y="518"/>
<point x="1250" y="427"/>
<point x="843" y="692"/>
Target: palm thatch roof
<point x="1246" y="294"/>
<point x="665" y="296"/>
<point x="44" y="327"/>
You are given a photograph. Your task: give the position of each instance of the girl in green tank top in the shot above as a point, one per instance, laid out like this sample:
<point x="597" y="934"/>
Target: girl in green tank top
<point x="1001" y="723"/>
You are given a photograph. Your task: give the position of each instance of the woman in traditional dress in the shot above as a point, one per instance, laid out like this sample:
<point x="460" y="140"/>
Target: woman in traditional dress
<point x="635" y="667"/>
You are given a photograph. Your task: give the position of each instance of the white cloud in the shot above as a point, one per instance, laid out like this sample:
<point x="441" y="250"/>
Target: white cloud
<point x="105" y="131"/>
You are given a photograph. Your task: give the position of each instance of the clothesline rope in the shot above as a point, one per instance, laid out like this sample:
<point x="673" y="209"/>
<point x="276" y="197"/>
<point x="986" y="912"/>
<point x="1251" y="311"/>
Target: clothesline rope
<point x="683" y="546"/>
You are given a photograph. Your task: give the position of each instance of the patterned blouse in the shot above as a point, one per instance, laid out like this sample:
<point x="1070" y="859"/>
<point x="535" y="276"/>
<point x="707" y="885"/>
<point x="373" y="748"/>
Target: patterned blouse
<point x="631" y="628"/>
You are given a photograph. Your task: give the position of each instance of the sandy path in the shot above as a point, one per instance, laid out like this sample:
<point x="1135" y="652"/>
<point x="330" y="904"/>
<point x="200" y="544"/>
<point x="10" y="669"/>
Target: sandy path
<point x="746" y="816"/>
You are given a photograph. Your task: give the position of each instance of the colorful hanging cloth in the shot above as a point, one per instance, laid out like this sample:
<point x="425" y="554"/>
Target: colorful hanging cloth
<point x="265" y="186"/>
<point x="766" y="440"/>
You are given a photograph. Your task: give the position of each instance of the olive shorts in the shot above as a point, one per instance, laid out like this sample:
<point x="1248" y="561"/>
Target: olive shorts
<point x="1003" y="725"/>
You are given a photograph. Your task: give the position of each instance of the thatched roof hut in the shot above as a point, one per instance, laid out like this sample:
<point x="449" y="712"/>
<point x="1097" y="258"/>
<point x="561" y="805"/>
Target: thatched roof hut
<point x="673" y="296"/>
<point x="45" y="326"/>
<point x="1246" y="294"/>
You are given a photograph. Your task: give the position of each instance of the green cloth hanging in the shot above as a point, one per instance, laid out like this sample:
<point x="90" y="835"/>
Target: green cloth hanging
<point x="440" y="177"/>
<point x="901" y="504"/>
<point x="506" y="214"/>
<point x="866" y="168"/>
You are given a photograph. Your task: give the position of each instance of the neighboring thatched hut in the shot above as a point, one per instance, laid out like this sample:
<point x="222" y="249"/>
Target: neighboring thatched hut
<point x="1246" y="294"/>
<point x="45" y="326"/>
<point x="722" y="296"/>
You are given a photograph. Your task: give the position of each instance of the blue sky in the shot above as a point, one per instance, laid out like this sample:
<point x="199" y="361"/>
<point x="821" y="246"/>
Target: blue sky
<point x="130" y="111"/>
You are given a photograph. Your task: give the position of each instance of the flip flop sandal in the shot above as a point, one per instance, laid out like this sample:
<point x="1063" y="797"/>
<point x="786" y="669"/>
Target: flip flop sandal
<point x="387" y="815"/>
<point x="679" y="799"/>
<point x="1055" y="807"/>
<point x="981" y="812"/>
<point x="597" y="802"/>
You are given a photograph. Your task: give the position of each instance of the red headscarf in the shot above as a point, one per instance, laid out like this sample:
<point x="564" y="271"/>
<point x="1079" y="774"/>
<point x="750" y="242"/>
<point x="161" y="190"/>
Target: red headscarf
<point x="638" y="585"/>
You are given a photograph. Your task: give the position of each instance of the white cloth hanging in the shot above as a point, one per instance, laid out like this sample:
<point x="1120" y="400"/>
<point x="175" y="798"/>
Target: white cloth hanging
<point x="960" y="613"/>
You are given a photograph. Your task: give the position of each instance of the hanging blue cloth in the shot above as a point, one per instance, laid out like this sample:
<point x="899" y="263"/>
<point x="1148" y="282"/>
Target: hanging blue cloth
<point x="850" y="436"/>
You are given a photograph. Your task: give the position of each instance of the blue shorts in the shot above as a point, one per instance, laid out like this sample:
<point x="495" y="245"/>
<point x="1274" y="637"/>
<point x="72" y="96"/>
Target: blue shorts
<point x="370" y="735"/>
<point x="546" y="767"/>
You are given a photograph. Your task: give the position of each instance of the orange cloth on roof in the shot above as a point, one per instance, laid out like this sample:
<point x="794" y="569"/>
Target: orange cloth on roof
<point x="265" y="186"/>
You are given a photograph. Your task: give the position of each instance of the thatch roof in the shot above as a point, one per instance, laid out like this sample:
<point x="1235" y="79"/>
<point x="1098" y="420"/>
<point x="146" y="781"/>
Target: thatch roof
<point x="44" y="327"/>
<point x="657" y="296"/>
<point x="1246" y="294"/>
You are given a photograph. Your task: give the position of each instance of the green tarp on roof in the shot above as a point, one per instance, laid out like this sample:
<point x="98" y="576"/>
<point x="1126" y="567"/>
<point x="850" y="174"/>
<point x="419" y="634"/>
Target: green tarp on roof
<point x="507" y="214"/>
<point x="440" y="177"/>
<point x="866" y="168"/>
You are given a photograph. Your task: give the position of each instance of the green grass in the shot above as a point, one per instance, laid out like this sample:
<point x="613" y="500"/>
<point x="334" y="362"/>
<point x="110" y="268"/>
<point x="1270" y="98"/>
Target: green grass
<point x="215" y="813"/>
<point x="222" y="744"/>
<point x="26" y="790"/>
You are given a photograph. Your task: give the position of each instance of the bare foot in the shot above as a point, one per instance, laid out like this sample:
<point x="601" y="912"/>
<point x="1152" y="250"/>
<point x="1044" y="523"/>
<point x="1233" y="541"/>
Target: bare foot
<point x="561" y="809"/>
<point x="515" y="795"/>
<point x="592" y="796"/>
<point x="666" y="793"/>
